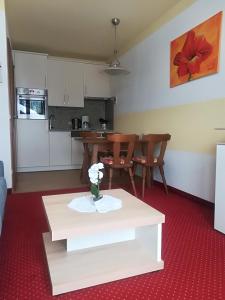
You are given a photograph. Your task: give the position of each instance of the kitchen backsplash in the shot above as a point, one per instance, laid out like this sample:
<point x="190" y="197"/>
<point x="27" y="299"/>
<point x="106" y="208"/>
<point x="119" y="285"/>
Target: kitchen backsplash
<point x="94" y="108"/>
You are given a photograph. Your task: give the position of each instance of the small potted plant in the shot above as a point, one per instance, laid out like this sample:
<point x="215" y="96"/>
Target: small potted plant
<point x="96" y="176"/>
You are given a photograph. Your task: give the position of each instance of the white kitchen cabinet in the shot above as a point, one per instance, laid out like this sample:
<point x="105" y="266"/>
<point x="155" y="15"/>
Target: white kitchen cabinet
<point x="97" y="82"/>
<point x="65" y="83"/>
<point x="60" y="148"/>
<point x="32" y="144"/>
<point x="56" y="82"/>
<point x="219" y="220"/>
<point x="77" y="152"/>
<point x="30" y="70"/>
<point x="75" y="84"/>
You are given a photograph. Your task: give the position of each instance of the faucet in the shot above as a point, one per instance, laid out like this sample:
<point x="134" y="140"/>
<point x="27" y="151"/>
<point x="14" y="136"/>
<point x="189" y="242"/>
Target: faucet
<point x="51" y="119"/>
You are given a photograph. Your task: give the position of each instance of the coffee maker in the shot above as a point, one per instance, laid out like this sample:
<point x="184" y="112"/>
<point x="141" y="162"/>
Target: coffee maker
<point x="76" y="123"/>
<point x="85" y="122"/>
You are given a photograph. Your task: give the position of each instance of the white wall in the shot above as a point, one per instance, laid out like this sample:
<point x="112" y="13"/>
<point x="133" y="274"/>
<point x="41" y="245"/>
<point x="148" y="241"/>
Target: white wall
<point x="147" y="87"/>
<point x="148" y="62"/>
<point x="193" y="173"/>
<point x="5" y="146"/>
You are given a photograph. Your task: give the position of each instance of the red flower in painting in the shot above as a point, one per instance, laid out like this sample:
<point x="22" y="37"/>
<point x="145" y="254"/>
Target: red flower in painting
<point x="196" y="49"/>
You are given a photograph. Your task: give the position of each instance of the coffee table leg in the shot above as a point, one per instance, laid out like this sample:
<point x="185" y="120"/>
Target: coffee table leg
<point x="151" y="238"/>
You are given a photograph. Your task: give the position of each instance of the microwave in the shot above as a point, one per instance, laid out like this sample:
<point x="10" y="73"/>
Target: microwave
<point x="32" y="103"/>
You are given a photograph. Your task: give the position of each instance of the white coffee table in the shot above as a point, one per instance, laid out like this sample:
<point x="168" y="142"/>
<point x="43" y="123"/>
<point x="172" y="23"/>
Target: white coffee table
<point x="86" y="249"/>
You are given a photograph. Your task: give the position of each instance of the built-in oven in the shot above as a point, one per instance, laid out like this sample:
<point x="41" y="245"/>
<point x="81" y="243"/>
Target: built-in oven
<point x="32" y="103"/>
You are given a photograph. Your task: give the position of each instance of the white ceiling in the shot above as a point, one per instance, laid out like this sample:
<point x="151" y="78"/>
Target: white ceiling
<point x="79" y="28"/>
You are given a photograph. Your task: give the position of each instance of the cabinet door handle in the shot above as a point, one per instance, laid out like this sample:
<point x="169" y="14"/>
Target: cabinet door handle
<point x="64" y="99"/>
<point x="68" y="99"/>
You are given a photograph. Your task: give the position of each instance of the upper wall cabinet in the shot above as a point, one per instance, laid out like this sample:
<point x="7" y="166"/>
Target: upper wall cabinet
<point x="56" y="83"/>
<point x="30" y="70"/>
<point x="65" y="83"/>
<point x="97" y="82"/>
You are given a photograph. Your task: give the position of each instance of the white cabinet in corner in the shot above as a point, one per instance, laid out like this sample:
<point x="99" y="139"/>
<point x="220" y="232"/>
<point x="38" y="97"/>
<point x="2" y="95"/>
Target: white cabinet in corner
<point x="219" y="221"/>
<point x="30" y="70"/>
<point x="97" y="82"/>
<point x="77" y="153"/>
<point x="32" y="145"/>
<point x="65" y="83"/>
<point x="60" y="148"/>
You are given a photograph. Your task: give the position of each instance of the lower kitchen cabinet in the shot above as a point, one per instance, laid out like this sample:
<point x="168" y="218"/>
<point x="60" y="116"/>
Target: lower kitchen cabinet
<point x="60" y="148"/>
<point x="32" y="144"/>
<point x="77" y="152"/>
<point x="41" y="150"/>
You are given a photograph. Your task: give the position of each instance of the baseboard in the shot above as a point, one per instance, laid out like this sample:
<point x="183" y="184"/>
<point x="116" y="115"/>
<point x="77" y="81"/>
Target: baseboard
<point x="185" y="194"/>
<point x="52" y="168"/>
<point x="181" y="193"/>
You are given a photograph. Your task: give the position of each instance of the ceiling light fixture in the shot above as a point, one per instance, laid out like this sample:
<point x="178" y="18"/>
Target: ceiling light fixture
<point x="114" y="67"/>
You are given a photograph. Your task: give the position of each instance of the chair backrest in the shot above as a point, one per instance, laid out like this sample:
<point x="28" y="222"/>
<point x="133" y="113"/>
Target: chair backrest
<point x="89" y="134"/>
<point x="124" y="143"/>
<point x="153" y="142"/>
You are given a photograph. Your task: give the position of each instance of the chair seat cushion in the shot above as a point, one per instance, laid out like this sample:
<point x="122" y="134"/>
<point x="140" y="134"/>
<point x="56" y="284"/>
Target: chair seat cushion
<point x="142" y="159"/>
<point x="108" y="160"/>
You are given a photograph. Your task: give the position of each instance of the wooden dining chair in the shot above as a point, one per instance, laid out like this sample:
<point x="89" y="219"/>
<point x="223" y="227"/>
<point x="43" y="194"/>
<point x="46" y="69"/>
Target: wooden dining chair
<point x="152" y="144"/>
<point x="118" y="161"/>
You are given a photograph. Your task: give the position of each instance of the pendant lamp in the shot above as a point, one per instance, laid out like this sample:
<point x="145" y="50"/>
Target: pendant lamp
<point x="114" y="67"/>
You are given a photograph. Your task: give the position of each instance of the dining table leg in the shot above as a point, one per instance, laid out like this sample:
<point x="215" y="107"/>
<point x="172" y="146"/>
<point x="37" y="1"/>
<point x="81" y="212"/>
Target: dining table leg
<point x="94" y="158"/>
<point x="85" y="164"/>
<point x="87" y="161"/>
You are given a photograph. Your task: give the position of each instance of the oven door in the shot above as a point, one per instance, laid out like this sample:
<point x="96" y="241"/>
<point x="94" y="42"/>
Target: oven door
<point x="31" y="108"/>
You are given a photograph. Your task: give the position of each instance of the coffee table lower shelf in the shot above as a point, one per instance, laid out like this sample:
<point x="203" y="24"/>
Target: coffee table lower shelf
<point x="79" y="269"/>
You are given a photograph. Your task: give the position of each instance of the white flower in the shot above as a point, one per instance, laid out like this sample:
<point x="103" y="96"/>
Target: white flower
<point x="100" y="166"/>
<point x="94" y="167"/>
<point x="93" y="177"/>
<point x="94" y="174"/>
<point x="100" y="175"/>
<point x="94" y="181"/>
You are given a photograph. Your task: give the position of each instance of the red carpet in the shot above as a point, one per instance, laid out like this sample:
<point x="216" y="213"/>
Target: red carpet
<point x="193" y="252"/>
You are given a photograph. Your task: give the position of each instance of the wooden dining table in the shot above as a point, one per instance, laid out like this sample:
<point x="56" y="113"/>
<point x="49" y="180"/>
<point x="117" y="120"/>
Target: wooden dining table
<point x="92" y="147"/>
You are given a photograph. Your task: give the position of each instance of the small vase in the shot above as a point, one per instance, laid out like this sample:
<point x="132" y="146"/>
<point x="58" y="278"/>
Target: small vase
<point x="95" y="192"/>
<point x="97" y="198"/>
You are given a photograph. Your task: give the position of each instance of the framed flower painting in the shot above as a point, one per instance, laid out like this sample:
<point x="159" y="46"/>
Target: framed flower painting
<point x="196" y="53"/>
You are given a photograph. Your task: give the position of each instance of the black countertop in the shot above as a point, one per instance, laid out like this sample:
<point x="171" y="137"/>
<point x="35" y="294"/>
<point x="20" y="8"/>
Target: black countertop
<point x="76" y="132"/>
